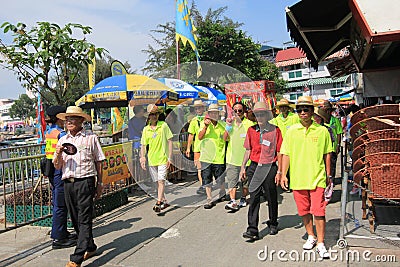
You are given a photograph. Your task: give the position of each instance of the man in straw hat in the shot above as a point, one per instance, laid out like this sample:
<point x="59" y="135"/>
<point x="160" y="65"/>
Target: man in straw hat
<point x="212" y="153"/>
<point x="286" y="118"/>
<point x="306" y="149"/>
<point x="158" y="137"/>
<point x="262" y="145"/>
<point x="83" y="178"/>
<point x="59" y="232"/>
<point x="336" y="126"/>
<point x="194" y="127"/>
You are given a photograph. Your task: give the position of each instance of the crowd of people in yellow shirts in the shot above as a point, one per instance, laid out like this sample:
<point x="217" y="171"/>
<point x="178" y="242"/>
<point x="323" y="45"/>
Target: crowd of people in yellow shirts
<point x="253" y="150"/>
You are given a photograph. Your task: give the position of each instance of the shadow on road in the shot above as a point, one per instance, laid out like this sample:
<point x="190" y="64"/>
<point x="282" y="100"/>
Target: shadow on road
<point x="118" y="246"/>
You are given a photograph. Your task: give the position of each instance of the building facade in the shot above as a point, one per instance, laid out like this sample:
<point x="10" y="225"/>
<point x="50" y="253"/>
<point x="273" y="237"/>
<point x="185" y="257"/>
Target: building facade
<point x="302" y="79"/>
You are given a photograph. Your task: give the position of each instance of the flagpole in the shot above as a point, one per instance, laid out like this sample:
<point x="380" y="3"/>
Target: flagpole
<point x="178" y="61"/>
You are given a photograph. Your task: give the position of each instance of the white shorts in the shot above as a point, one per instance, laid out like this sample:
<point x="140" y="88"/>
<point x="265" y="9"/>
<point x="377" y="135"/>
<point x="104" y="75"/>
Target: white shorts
<point x="158" y="173"/>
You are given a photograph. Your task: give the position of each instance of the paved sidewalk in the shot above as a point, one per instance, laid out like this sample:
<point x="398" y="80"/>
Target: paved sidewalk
<point x="134" y="235"/>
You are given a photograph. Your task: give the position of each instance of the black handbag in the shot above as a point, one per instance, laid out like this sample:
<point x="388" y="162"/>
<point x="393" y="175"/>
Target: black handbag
<point x="47" y="167"/>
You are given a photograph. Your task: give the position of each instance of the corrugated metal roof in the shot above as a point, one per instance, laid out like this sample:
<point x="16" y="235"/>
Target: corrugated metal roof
<point x="323" y="80"/>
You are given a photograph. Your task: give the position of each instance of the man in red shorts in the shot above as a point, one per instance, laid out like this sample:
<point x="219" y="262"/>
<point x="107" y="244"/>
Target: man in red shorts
<point x="306" y="148"/>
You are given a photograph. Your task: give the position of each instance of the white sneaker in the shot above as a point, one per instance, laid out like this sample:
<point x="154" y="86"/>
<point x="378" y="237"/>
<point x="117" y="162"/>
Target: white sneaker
<point x="310" y="243"/>
<point x="242" y="202"/>
<point x="322" y="252"/>
<point x="231" y="205"/>
<point x="355" y="190"/>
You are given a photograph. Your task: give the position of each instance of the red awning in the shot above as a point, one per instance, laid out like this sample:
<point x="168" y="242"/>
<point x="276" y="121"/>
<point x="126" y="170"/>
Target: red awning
<point x="291" y="62"/>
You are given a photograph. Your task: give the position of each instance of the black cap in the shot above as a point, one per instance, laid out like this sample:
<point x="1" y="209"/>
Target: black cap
<point x="54" y="110"/>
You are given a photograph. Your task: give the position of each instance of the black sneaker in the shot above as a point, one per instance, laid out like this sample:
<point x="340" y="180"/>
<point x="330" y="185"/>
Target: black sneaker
<point x="164" y="205"/>
<point x="157" y="207"/>
<point x="63" y="243"/>
<point x="273" y="230"/>
<point x="222" y="198"/>
<point x="72" y="236"/>
<point x="209" y="205"/>
<point x="251" y="236"/>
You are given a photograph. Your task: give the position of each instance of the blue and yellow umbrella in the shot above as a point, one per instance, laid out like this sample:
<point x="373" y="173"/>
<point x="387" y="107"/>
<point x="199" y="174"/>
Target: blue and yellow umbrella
<point x="121" y="90"/>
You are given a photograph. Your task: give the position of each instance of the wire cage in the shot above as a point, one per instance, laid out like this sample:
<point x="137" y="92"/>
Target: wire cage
<point x="384" y="181"/>
<point x="375" y="135"/>
<point x="373" y="111"/>
<point x="358" y="152"/>
<point x="359" y="175"/>
<point x="371" y="124"/>
<point x="382" y="145"/>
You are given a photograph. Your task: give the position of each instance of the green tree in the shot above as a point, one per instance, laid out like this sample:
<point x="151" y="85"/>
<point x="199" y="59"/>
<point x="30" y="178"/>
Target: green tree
<point x="80" y="84"/>
<point x="47" y="58"/>
<point x="23" y="107"/>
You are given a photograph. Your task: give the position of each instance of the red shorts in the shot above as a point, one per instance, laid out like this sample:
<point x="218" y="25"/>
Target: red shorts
<point x="310" y="201"/>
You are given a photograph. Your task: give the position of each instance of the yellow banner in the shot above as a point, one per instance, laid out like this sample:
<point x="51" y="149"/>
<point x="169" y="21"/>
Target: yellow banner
<point x="115" y="166"/>
<point x="92" y="73"/>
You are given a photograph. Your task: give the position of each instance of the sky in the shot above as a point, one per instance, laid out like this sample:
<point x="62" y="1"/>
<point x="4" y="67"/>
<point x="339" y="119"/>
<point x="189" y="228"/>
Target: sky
<point x="123" y="27"/>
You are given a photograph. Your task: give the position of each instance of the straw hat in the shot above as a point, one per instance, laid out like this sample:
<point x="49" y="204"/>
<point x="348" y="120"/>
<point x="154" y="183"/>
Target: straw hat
<point x="213" y="107"/>
<point x="283" y="103"/>
<point x="322" y="113"/>
<point x="305" y="101"/>
<point x="74" y="111"/>
<point x="260" y="106"/>
<point x="327" y="105"/>
<point x="152" y="108"/>
<point x="198" y="103"/>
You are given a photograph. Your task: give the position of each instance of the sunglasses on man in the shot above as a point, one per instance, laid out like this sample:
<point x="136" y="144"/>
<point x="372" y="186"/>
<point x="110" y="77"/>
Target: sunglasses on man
<point x="300" y="110"/>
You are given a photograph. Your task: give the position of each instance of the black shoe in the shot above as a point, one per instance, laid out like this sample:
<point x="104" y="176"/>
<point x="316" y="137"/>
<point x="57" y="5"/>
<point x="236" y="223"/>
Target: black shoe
<point x="63" y="243"/>
<point x="222" y="198"/>
<point x="251" y="236"/>
<point x="209" y="205"/>
<point x="157" y="207"/>
<point x="273" y="230"/>
<point x="72" y="236"/>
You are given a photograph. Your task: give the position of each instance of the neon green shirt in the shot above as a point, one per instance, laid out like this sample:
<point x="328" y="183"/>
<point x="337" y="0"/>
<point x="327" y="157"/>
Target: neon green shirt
<point x="285" y="123"/>
<point x="194" y="127"/>
<point x="212" y="146"/>
<point x="236" y="150"/>
<point x="306" y="150"/>
<point x="336" y="127"/>
<point x="158" y="143"/>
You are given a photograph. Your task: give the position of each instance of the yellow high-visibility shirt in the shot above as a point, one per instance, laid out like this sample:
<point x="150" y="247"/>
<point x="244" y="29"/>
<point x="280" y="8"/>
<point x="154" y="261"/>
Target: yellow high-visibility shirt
<point x="306" y="149"/>
<point x="157" y="140"/>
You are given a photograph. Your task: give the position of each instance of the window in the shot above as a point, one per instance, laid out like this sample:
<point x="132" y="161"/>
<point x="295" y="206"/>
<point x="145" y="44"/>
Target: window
<point x="293" y="97"/>
<point x="295" y="74"/>
<point x="335" y="92"/>
<point x="339" y="84"/>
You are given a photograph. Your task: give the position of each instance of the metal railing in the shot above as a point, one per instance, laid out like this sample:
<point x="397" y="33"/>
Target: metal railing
<point x="24" y="191"/>
<point x="25" y="194"/>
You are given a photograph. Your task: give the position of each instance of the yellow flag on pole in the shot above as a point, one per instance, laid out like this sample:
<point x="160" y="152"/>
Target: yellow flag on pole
<point x="185" y="30"/>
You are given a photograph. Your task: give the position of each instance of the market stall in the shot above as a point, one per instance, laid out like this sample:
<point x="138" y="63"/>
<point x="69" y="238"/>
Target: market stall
<point x="123" y="91"/>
